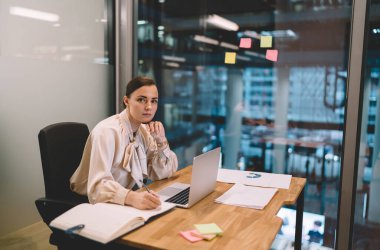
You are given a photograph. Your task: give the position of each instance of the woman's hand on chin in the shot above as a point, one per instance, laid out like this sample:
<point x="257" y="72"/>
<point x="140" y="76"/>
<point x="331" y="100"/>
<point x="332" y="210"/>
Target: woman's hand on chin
<point x="157" y="130"/>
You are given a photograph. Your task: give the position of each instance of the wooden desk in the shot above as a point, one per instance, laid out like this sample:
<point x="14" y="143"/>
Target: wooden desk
<point x="243" y="228"/>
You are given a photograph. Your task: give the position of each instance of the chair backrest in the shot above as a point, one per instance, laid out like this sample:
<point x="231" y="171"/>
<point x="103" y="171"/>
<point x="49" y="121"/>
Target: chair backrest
<point x="61" y="148"/>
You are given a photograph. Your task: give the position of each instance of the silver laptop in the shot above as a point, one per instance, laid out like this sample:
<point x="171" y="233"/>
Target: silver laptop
<point x="203" y="181"/>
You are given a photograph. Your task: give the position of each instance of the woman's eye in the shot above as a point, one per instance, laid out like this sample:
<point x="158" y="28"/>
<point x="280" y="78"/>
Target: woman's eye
<point x="141" y="100"/>
<point x="155" y="101"/>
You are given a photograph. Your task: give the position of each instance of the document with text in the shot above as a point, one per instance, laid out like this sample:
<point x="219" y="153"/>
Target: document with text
<point x="251" y="178"/>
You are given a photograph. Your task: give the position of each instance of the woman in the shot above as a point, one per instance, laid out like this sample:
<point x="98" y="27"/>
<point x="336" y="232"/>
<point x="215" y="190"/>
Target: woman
<point x="124" y="149"/>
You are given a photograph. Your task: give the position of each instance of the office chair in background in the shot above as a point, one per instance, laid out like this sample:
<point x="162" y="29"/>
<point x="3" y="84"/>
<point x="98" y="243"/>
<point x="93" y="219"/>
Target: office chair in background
<point x="61" y="148"/>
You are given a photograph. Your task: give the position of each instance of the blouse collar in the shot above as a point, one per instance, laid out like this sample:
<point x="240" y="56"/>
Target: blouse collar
<point x="126" y="126"/>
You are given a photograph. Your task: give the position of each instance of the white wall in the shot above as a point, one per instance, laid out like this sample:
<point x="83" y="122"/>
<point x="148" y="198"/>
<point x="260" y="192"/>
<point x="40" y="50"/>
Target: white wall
<point x="49" y="72"/>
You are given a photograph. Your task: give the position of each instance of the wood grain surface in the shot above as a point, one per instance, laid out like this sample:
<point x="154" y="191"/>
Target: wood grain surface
<point x="243" y="228"/>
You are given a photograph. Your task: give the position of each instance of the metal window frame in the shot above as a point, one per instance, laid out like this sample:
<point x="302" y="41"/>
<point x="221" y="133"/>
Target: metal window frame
<point x="352" y="124"/>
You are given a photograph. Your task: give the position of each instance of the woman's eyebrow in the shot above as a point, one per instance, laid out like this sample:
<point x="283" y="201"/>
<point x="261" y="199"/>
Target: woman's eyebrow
<point x="143" y="96"/>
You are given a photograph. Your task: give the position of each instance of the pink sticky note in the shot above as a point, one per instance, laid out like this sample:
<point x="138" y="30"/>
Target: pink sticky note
<point x="272" y="55"/>
<point x="245" y="43"/>
<point x="189" y="236"/>
<point x="203" y="236"/>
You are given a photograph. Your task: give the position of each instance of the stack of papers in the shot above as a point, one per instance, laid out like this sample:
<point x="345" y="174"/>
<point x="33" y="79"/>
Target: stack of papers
<point x="247" y="196"/>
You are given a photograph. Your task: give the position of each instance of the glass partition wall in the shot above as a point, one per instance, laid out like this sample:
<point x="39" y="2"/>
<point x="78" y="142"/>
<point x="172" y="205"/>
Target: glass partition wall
<point x="266" y="80"/>
<point x="366" y="226"/>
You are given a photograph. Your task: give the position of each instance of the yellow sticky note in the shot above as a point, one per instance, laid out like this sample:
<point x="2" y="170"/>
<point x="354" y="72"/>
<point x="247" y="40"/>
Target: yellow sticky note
<point x="230" y="58"/>
<point x="272" y="55"/>
<point x="265" y="41"/>
<point x="210" y="228"/>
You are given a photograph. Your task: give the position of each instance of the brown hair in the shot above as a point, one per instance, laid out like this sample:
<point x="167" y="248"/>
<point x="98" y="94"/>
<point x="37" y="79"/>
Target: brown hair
<point x="137" y="83"/>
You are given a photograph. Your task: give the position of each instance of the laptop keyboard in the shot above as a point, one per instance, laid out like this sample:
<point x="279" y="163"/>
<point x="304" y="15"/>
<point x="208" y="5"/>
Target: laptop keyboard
<point x="180" y="198"/>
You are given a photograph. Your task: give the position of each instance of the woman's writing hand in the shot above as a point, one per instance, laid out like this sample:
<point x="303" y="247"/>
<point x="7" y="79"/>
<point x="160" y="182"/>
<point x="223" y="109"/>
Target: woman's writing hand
<point x="143" y="200"/>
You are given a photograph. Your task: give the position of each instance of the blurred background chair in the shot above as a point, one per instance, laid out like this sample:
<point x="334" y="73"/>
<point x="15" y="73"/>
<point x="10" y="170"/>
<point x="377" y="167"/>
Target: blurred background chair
<point x="61" y="148"/>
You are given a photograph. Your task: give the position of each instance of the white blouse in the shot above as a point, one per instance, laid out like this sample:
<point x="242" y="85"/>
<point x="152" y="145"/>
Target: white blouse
<point x="114" y="161"/>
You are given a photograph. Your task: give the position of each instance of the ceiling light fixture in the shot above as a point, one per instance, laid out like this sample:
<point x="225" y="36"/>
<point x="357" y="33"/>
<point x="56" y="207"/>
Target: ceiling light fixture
<point x="34" y="14"/>
<point x="250" y="53"/>
<point x="280" y="33"/>
<point x="222" y="22"/>
<point x="172" y="64"/>
<point x="142" y="22"/>
<point x="205" y="39"/>
<point x="243" y="58"/>
<point x="251" y="33"/>
<point x="229" y="46"/>
<point x="174" y="58"/>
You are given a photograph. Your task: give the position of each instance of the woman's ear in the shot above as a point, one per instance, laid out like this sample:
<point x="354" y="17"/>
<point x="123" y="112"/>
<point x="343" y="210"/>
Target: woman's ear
<point x="125" y="101"/>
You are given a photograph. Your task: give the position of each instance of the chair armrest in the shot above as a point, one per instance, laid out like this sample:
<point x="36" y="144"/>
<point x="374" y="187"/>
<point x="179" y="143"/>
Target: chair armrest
<point x="49" y="209"/>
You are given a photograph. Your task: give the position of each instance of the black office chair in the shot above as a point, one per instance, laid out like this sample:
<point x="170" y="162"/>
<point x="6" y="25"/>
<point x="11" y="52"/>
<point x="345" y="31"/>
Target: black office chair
<point x="61" y="148"/>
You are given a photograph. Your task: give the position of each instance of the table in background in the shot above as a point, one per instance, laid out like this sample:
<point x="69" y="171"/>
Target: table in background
<point x="308" y="149"/>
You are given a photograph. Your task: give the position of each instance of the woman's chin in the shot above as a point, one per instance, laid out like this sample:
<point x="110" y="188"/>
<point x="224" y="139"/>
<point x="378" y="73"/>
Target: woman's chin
<point x="146" y="119"/>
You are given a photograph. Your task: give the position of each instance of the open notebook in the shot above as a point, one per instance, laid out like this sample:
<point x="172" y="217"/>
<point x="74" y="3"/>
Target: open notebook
<point x="104" y="222"/>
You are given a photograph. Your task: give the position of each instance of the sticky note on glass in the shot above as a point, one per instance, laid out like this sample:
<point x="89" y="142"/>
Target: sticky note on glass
<point x="189" y="236"/>
<point x="245" y="43"/>
<point x="265" y="41"/>
<point x="272" y="55"/>
<point x="230" y="58"/>
<point x="210" y="228"/>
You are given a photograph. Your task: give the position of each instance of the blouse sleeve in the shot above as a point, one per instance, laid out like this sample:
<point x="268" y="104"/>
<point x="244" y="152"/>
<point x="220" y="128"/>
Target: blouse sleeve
<point x="162" y="162"/>
<point x="101" y="185"/>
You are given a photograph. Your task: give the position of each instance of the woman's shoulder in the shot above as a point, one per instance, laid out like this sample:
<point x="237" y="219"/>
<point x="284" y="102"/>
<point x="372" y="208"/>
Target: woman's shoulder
<point x="109" y="125"/>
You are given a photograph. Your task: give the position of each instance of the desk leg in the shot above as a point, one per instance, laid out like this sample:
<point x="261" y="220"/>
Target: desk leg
<point x="323" y="180"/>
<point x="263" y="155"/>
<point x="299" y="218"/>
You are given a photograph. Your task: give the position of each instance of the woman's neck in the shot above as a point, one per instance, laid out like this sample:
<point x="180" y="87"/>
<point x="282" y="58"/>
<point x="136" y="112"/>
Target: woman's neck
<point x="134" y="124"/>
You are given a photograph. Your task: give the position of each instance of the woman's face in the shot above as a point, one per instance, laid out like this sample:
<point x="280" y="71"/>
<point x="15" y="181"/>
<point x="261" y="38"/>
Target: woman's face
<point x="142" y="104"/>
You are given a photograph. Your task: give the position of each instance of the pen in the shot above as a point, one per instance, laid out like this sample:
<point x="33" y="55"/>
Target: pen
<point x="147" y="189"/>
<point x="145" y="186"/>
<point x="74" y="228"/>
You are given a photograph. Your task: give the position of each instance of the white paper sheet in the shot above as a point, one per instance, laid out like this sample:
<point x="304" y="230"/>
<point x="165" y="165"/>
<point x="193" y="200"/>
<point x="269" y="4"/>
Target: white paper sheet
<point x="250" y="178"/>
<point x="247" y="196"/>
